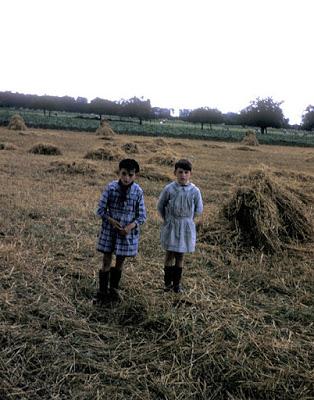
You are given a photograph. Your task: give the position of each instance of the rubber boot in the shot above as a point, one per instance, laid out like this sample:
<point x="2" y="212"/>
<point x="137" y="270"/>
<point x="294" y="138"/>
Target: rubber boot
<point x="102" y="293"/>
<point x="115" y="276"/>
<point x="168" y="278"/>
<point x="177" y="274"/>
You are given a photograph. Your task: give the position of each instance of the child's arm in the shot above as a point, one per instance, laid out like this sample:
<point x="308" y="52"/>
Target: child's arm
<point x="162" y="202"/>
<point x="102" y="210"/>
<point x="102" y="205"/>
<point x="198" y="208"/>
<point x="140" y="217"/>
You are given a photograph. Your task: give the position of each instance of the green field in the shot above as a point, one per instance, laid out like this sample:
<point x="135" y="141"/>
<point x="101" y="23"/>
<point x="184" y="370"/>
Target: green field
<point x="173" y="128"/>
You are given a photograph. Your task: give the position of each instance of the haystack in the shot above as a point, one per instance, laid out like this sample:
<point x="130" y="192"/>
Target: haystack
<point x="7" y="146"/>
<point x="130" y="148"/>
<point x="250" y="139"/>
<point x="105" y="129"/>
<point x="101" y="153"/>
<point x="151" y="174"/>
<point x="17" y="123"/>
<point x="72" y="167"/>
<point x="45" y="149"/>
<point x="266" y="215"/>
<point x="164" y="157"/>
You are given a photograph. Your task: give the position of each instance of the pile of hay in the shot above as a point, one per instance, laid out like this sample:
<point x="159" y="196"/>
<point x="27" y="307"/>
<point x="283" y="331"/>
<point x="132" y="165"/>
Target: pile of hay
<point x="17" y="123"/>
<point x="164" y="157"/>
<point x="72" y="168"/>
<point x="105" y="154"/>
<point x="250" y="139"/>
<point x="130" y="148"/>
<point x="160" y="142"/>
<point x="266" y="215"/>
<point x="151" y="174"/>
<point x="7" y="146"/>
<point x="246" y="148"/>
<point x="45" y="149"/>
<point x="105" y="129"/>
<point x="214" y="146"/>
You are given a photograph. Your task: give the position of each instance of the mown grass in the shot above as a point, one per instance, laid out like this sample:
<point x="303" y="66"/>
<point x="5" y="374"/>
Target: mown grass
<point x="243" y="329"/>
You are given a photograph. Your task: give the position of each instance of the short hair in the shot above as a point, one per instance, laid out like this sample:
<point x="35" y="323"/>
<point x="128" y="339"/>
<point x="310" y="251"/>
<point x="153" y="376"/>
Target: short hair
<point x="129" y="164"/>
<point x="184" y="164"/>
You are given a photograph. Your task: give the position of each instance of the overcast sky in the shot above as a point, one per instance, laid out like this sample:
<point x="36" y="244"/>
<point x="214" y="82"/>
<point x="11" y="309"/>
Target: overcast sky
<point x="178" y="53"/>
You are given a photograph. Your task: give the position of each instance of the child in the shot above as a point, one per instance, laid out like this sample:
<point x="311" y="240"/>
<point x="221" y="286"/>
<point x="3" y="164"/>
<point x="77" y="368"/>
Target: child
<point x="178" y="204"/>
<point x="122" y="209"/>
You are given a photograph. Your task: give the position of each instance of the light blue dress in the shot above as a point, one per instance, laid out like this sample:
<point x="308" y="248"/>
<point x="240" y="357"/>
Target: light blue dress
<point x="177" y="205"/>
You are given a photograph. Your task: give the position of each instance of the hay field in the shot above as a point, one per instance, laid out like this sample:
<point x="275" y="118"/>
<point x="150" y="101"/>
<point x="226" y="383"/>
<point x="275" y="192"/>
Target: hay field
<point x="243" y="329"/>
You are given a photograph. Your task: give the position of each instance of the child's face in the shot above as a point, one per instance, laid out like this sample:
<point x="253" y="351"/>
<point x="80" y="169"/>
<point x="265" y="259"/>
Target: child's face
<point x="183" y="176"/>
<point x="127" y="177"/>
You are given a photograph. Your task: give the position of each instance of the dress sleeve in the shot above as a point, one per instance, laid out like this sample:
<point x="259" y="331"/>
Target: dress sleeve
<point x="162" y="203"/>
<point x="103" y="203"/>
<point x="141" y="211"/>
<point x="198" y="202"/>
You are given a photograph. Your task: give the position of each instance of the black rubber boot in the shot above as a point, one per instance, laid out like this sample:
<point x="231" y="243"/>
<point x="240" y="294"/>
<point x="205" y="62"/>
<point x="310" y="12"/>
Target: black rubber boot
<point x="102" y="294"/>
<point x="115" y="276"/>
<point x="177" y="274"/>
<point x="168" y="278"/>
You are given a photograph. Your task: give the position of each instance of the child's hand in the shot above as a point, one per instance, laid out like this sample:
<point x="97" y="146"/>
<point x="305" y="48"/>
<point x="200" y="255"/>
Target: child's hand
<point x="115" y="223"/>
<point x="127" y="229"/>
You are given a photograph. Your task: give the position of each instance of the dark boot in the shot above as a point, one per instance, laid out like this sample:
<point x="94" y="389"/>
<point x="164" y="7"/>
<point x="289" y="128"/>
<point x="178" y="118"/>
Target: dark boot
<point x="168" y="278"/>
<point x="115" y="276"/>
<point x="177" y="274"/>
<point x="102" y="294"/>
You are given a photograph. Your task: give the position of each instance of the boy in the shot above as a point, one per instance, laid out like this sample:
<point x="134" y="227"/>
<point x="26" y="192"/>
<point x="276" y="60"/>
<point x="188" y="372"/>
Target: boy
<point x="122" y="209"/>
<point x="178" y="204"/>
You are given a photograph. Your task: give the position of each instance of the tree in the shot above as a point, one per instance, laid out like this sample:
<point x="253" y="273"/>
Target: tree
<point x="103" y="107"/>
<point x="263" y="113"/>
<point x="231" y="118"/>
<point x="205" y="115"/>
<point x="136" y="108"/>
<point x="308" y="118"/>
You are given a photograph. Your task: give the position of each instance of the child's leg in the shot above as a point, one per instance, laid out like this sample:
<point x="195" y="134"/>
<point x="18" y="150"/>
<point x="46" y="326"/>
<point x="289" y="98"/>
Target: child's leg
<point x="177" y="272"/>
<point x="104" y="277"/>
<point x="168" y="270"/>
<point x="115" y="275"/>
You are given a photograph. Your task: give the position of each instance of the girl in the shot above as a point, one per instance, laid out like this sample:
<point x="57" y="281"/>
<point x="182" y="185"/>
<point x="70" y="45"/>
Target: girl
<point x="178" y="204"/>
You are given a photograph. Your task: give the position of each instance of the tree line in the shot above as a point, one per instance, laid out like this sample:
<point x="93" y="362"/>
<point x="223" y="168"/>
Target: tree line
<point x="261" y="112"/>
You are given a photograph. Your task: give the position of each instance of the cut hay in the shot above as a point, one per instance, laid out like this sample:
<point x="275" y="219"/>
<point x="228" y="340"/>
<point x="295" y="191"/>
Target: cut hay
<point x="72" y="168"/>
<point x="160" y="142"/>
<point x="250" y="139"/>
<point x="7" y="146"/>
<point x="310" y="160"/>
<point x="101" y="153"/>
<point x="266" y="215"/>
<point x="17" y="123"/>
<point x="105" y="129"/>
<point x="214" y="146"/>
<point x="130" y="148"/>
<point x="45" y="149"/>
<point x="147" y="172"/>
<point x="164" y="157"/>
<point x="245" y="148"/>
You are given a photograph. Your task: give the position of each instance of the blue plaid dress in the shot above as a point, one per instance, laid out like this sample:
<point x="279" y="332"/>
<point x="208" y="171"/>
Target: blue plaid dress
<point x="131" y="210"/>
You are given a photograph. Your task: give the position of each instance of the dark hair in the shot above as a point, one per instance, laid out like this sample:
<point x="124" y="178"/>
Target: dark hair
<point x="129" y="164"/>
<point x="184" y="164"/>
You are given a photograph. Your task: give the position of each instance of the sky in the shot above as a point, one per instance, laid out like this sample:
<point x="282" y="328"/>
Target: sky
<point x="177" y="53"/>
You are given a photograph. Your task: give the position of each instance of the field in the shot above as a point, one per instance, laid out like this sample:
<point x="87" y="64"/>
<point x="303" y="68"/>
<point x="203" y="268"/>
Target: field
<point x="243" y="329"/>
<point x="169" y="128"/>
